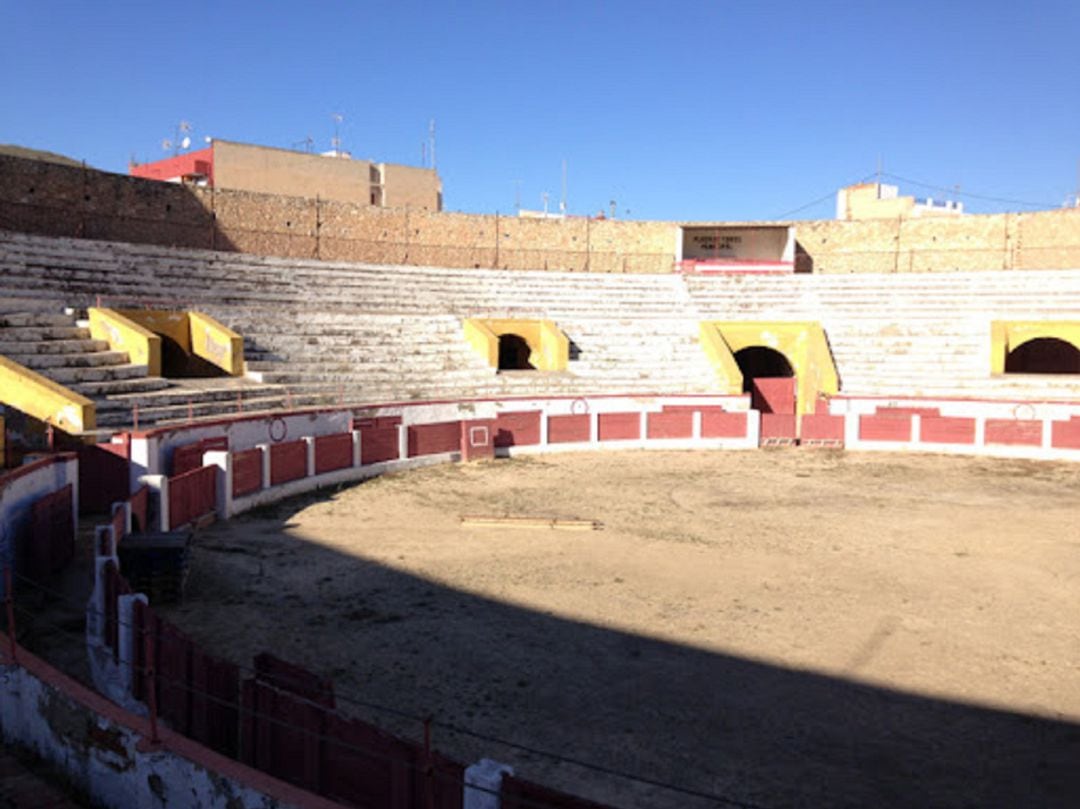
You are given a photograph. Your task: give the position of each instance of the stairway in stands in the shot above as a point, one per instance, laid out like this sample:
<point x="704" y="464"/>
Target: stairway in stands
<point x="59" y="347"/>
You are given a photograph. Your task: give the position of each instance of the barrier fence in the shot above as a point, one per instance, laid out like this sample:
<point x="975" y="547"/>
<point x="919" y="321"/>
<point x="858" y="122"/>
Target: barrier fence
<point x="192" y="495"/>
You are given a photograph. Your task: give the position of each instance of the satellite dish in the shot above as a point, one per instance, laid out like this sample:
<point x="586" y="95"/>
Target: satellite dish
<point x="166" y="144"/>
<point x="185" y="143"/>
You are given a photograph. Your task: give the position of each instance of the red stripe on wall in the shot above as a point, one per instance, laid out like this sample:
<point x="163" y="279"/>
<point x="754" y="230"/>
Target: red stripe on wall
<point x="517" y="429"/>
<point x="568" y="429"/>
<point x="619" y="426"/>
<point x="333" y="452"/>
<point x="722" y="425"/>
<point x="288" y="461"/>
<point x="885" y="428"/>
<point x="432" y="439"/>
<point x="947" y="430"/>
<point x="1026" y="433"/>
<point x="672" y="424"/>
<point x="1066" y="434"/>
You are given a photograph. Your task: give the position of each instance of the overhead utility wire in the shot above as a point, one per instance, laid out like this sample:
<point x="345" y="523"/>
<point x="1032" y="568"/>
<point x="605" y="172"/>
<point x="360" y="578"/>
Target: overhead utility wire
<point x="822" y="198"/>
<point x="971" y="194"/>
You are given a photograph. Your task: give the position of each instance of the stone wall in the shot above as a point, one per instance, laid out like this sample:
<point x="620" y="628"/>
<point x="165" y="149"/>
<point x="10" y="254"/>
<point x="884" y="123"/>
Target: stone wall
<point x="58" y="200"/>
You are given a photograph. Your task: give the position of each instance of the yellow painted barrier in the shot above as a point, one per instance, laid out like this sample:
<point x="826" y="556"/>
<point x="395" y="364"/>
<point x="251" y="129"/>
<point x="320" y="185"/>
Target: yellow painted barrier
<point x="549" y="348"/>
<point x="483" y="340"/>
<point x="140" y="332"/>
<point x="216" y="343"/>
<point x="44" y="399"/>
<point x="123" y="333"/>
<point x="803" y="344"/>
<point x="1008" y="335"/>
<point x="721" y="359"/>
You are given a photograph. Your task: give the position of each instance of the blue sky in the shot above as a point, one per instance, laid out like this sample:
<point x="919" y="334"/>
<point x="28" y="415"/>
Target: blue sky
<point x="707" y="110"/>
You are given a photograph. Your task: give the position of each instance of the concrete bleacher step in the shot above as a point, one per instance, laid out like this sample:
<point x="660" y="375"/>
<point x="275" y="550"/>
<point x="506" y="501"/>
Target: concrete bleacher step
<point x="112" y="387"/>
<point x="86" y="359"/>
<point x="38" y="348"/>
<point x="73" y="375"/>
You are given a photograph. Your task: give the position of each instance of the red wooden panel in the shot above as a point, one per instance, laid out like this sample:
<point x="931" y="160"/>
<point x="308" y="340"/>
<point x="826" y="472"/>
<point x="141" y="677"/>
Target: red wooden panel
<point x="286" y="676"/>
<point x="567" y="429"/>
<point x="140" y="507"/>
<point x="670" y="424"/>
<point x="619" y="426"/>
<point x="432" y="439"/>
<point x="777" y="425"/>
<point x="288" y="461"/>
<point x="215" y="702"/>
<point x="723" y="425"/>
<point x="192" y="495"/>
<point x="925" y="412"/>
<point x="947" y="430"/>
<point x="247" y="472"/>
<point x="477" y="439"/>
<point x="517" y="793"/>
<point x="885" y="428"/>
<point x="517" y="429"/>
<point x="1015" y="432"/>
<point x="104" y="477"/>
<point x="333" y="452"/>
<point x="369" y="767"/>
<point x="187" y="457"/>
<point x="822" y="427"/>
<point x="378" y="444"/>
<point x="773" y="394"/>
<point x="173" y="670"/>
<point x="50" y="544"/>
<point x="1066" y="434"/>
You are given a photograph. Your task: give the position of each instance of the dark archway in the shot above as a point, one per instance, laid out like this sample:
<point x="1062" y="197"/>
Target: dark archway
<point x="757" y="362"/>
<point x="514" y="353"/>
<point x="768" y="378"/>
<point x="177" y="363"/>
<point x="1043" y="355"/>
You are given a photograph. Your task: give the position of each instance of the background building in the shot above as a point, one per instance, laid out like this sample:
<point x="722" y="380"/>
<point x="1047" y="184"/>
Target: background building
<point x="880" y="201"/>
<point x="332" y="176"/>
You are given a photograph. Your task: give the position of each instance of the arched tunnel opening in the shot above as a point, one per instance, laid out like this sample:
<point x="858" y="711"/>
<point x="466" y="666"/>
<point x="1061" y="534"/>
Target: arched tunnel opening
<point x="1043" y="355"/>
<point x="759" y="364"/>
<point x="514" y="353"/>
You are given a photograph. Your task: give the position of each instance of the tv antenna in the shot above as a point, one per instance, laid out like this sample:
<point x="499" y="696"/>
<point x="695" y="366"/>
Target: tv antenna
<point x="335" y="142"/>
<point x="180" y="140"/>
<point x="308" y="143"/>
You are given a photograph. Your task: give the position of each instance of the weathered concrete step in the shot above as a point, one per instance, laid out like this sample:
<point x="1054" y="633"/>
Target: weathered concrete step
<point x="10" y="319"/>
<point x="9" y="347"/>
<point x="96" y="390"/>
<point x="89" y="359"/>
<point x="179" y="396"/>
<point x="33" y="334"/>
<point x="71" y="376"/>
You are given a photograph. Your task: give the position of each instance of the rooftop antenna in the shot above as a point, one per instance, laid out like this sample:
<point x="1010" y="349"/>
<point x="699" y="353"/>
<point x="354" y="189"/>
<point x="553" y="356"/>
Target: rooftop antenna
<point x="517" y="196"/>
<point x="431" y="141"/>
<point x="423" y="154"/>
<point x="879" y="164"/>
<point x="544" y="196"/>
<point x="307" y="143"/>
<point x="335" y="142"/>
<point x="562" y="203"/>
<point x="181" y="139"/>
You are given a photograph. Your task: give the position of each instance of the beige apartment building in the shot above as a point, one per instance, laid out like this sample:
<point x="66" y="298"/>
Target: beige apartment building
<point x="333" y="176"/>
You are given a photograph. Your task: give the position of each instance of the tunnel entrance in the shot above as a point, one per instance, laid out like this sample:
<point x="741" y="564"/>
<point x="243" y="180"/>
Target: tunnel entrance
<point x="514" y="353"/>
<point x="178" y="362"/>
<point x="1043" y="355"/>
<point x="769" y="379"/>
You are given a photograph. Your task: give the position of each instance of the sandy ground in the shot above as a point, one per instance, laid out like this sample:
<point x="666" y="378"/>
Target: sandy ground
<point x="786" y="628"/>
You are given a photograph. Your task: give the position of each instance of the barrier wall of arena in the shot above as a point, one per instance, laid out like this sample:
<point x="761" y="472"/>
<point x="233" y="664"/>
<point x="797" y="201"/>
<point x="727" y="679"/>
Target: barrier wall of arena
<point x="52" y="199"/>
<point x="21" y="489"/>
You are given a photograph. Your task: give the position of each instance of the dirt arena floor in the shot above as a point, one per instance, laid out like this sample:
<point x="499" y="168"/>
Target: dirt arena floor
<point x="781" y="628"/>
